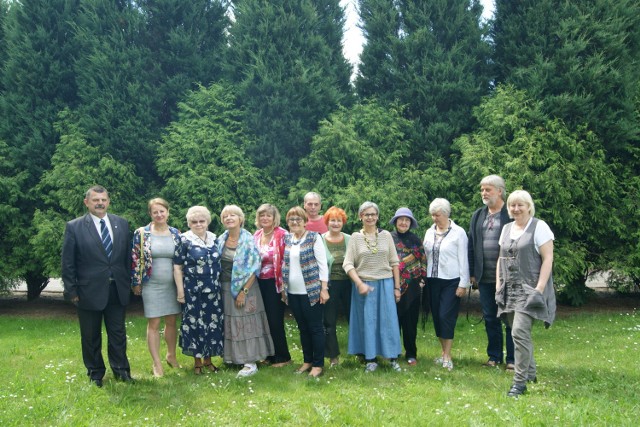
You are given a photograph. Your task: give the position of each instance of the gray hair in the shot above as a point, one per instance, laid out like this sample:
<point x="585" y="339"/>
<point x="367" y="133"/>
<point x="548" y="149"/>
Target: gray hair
<point x="524" y="197"/>
<point x="495" y="181"/>
<point x="195" y="211"/>
<point x="95" y="189"/>
<point x="440" y="205"/>
<point x="312" y="194"/>
<point x="367" y="205"/>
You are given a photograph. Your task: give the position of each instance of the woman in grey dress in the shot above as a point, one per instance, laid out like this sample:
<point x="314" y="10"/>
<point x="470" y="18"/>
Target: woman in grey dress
<point x="524" y="283"/>
<point x="152" y="277"/>
<point x="247" y="339"/>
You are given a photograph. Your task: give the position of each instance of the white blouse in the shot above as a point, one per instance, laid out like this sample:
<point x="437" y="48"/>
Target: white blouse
<point x="453" y="260"/>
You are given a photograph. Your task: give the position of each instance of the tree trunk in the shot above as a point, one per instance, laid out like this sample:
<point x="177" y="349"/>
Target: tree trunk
<point x="36" y="282"/>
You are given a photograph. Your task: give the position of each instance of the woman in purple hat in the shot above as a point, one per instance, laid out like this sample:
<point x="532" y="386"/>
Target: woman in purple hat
<point x="413" y="271"/>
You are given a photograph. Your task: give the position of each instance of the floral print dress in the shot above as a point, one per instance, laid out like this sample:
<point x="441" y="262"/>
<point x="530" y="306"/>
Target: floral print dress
<point x="202" y="330"/>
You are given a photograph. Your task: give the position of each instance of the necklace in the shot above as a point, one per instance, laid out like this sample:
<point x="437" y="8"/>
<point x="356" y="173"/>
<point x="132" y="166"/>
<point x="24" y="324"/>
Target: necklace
<point x="295" y="242"/>
<point x="373" y="248"/>
<point x="203" y="240"/>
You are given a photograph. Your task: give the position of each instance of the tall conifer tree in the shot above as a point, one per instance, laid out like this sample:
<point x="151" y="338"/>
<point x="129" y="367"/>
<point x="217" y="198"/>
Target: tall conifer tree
<point x="286" y="62"/>
<point x="187" y="42"/>
<point x="114" y="75"/>
<point x="430" y="55"/>
<point x="579" y="58"/>
<point x="38" y="81"/>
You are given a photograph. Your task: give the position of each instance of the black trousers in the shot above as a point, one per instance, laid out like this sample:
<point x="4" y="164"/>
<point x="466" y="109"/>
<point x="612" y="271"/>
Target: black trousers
<point x="91" y="337"/>
<point x="408" y="314"/>
<point x="309" y="320"/>
<point x="339" y="304"/>
<point x="274" y="309"/>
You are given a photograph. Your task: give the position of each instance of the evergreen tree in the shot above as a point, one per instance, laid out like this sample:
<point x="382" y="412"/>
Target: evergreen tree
<point x="363" y="153"/>
<point x="187" y="42"/>
<point x="75" y="166"/>
<point x="203" y="160"/>
<point x="115" y="72"/>
<point x="288" y="75"/>
<point x="579" y="58"/>
<point x="38" y="81"/>
<point x="565" y="171"/>
<point x="430" y="56"/>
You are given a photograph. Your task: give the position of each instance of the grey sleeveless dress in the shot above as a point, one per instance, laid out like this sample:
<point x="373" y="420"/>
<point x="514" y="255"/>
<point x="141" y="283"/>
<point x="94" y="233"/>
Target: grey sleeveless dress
<point x="159" y="294"/>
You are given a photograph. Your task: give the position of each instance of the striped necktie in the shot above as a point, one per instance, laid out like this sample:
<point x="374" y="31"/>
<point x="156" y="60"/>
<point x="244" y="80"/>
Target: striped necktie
<point x="106" y="238"/>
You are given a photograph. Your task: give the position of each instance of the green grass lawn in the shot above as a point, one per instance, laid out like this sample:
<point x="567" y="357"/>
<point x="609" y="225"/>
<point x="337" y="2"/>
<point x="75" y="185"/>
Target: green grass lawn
<point x="587" y="371"/>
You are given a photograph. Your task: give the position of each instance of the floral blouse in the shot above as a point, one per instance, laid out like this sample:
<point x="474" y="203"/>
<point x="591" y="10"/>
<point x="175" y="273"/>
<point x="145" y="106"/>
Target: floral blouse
<point x="413" y="261"/>
<point x="141" y="260"/>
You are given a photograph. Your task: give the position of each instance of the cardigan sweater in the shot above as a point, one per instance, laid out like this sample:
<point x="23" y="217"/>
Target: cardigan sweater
<point x="141" y="259"/>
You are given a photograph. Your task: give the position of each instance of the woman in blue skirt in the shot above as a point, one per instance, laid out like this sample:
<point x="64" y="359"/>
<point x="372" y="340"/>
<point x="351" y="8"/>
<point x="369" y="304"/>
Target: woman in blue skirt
<point x="372" y="262"/>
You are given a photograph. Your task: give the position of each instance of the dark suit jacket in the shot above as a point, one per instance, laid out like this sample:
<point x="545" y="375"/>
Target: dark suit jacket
<point x="86" y="269"/>
<point x="474" y="249"/>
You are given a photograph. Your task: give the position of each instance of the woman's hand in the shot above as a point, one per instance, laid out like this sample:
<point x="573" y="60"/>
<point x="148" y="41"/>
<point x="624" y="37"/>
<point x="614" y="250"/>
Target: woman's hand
<point x="460" y="292"/>
<point x="324" y="295"/>
<point x="240" y="299"/>
<point x="137" y="290"/>
<point x="180" y="298"/>
<point x="364" y="289"/>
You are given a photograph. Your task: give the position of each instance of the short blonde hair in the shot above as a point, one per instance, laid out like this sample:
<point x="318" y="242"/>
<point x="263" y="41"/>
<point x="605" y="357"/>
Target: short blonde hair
<point x="157" y="201"/>
<point x="196" y="211"/>
<point x="271" y="210"/>
<point x="524" y="197"/>
<point x="232" y="209"/>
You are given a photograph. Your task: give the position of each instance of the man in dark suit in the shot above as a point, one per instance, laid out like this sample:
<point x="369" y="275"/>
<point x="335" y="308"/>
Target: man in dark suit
<point x="95" y="271"/>
<point x="484" y="249"/>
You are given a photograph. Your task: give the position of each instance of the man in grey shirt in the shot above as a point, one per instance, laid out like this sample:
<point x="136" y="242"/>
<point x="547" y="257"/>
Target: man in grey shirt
<point x="484" y="235"/>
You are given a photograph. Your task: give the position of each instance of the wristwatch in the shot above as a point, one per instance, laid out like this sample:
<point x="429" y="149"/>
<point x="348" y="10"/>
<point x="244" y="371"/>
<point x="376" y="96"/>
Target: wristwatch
<point x="245" y="290"/>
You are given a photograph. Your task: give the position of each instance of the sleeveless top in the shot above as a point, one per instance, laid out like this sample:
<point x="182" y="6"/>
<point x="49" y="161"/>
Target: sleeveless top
<point x="519" y="272"/>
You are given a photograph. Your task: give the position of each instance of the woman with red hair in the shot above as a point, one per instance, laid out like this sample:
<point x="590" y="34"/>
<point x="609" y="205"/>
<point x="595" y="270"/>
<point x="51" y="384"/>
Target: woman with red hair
<point x="335" y="242"/>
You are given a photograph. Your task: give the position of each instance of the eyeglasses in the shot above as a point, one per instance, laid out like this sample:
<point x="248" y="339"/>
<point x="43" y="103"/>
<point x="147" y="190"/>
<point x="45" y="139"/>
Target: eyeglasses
<point x="370" y="215"/>
<point x="198" y="221"/>
<point x="295" y="219"/>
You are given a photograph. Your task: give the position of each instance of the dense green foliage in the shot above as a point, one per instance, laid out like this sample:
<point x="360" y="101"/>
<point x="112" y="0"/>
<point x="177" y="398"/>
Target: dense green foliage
<point x="430" y="56"/>
<point x="288" y="75"/>
<point x="216" y="102"/>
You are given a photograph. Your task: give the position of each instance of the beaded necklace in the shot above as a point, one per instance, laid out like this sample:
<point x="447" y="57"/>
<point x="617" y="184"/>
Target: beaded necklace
<point x="372" y="248"/>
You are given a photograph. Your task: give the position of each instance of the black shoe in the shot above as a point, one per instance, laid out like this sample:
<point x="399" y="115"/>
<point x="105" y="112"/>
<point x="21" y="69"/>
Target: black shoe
<point x="533" y="380"/>
<point x="125" y="377"/>
<point x="516" y="390"/>
<point x="97" y="382"/>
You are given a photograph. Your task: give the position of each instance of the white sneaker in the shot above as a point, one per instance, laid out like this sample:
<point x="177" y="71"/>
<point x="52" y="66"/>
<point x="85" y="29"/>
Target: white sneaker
<point x="371" y="366"/>
<point x="248" y="370"/>
<point x="395" y="366"/>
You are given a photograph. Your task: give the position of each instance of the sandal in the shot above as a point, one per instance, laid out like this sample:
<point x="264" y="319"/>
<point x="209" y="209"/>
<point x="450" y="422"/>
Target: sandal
<point x="211" y="367"/>
<point x="197" y="370"/>
<point x="510" y="367"/>
<point x="490" y="364"/>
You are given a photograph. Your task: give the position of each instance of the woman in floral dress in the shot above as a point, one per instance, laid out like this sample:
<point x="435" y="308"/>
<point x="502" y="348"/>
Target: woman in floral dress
<point x="197" y="267"/>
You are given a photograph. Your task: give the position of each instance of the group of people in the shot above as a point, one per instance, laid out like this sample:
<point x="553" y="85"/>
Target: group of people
<point x="232" y="291"/>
